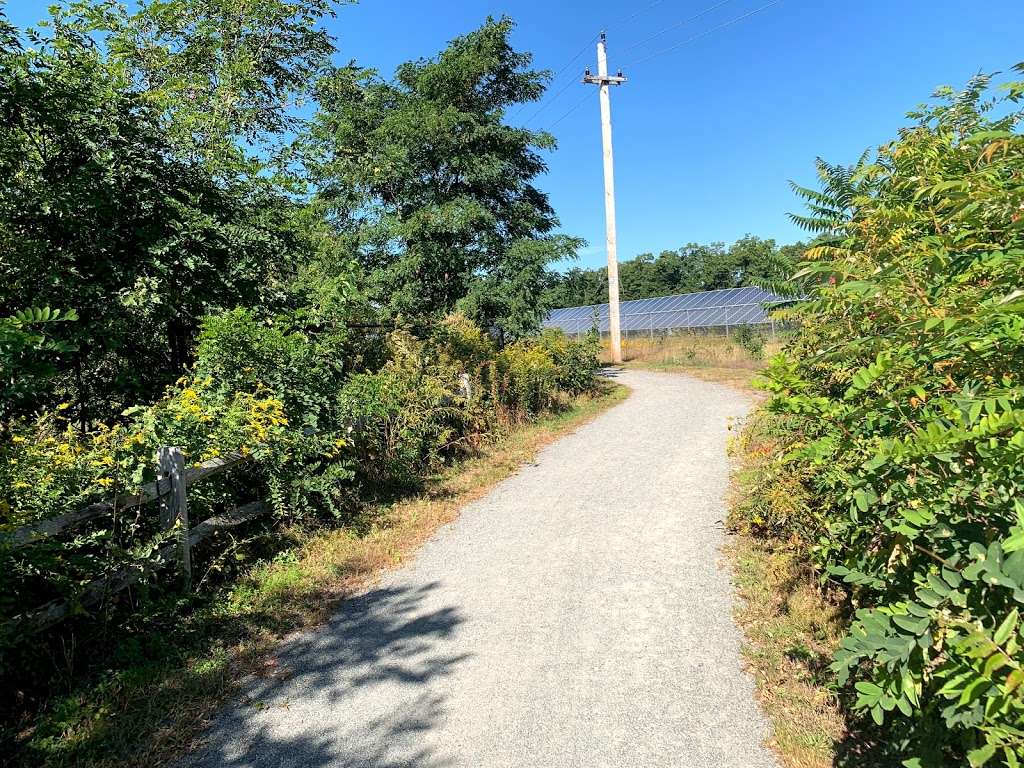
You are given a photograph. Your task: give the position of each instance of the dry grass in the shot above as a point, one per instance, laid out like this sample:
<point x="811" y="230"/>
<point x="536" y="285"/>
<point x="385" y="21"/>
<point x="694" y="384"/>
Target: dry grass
<point x="708" y="356"/>
<point x="151" y="712"/>
<point x="791" y="627"/>
<point x="791" y="632"/>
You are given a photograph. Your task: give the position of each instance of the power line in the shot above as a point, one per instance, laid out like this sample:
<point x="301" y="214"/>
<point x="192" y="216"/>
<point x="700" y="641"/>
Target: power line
<point x="554" y="79"/>
<point x="705" y="33"/>
<point x="571" y="109"/>
<point x="579" y="53"/>
<point x="678" y="24"/>
<point x="548" y="102"/>
<point x="632" y="16"/>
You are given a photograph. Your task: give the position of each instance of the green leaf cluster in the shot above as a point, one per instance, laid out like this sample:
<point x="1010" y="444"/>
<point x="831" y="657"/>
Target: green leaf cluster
<point x="28" y="358"/>
<point x="436" y="190"/>
<point x="898" y="415"/>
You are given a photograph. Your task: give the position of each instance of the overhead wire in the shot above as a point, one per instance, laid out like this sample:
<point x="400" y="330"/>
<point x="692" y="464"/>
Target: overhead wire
<point x="676" y="25"/>
<point x="628" y="19"/>
<point x="652" y="55"/>
<point x="636" y="14"/>
<point x="571" y="109"/>
<point x="703" y="34"/>
<point x="551" y="99"/>
<point x="547" y="101"/>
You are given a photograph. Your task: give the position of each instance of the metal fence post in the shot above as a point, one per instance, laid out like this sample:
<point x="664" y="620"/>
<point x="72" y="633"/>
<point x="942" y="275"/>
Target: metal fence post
<point x="174" y="507"/>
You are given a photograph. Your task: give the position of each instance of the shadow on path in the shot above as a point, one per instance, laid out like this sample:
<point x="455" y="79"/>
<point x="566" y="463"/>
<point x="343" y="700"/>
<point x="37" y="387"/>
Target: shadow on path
<point x="385" y="640"/>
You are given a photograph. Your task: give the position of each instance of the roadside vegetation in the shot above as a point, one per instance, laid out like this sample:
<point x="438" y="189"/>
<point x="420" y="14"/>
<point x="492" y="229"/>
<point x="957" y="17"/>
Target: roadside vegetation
<point x="887" y="465"/>
<point x="160" y="679"/>
<point x="734" y="358"/>
<point x="215" y="238"/>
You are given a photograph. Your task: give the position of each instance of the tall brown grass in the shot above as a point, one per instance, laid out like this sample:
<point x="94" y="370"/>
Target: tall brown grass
<point x="696" y="349"/>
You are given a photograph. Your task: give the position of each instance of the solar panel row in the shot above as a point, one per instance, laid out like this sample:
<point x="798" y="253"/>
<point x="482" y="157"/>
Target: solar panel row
<point x="728" y="306"/>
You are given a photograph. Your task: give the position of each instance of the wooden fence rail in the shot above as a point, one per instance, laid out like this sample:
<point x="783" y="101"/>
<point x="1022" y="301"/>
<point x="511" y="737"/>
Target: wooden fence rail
<point x="27" y="534"/>
<point x="171" y="489"/>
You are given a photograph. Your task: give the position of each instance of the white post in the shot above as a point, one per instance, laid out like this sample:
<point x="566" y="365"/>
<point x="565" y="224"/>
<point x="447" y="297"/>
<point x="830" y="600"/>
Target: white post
<point x="603" y="80"/>
<point x="174" y="508"/>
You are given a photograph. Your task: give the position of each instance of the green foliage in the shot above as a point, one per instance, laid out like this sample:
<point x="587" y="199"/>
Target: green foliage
<point x="224" y="76"/>
<point x="403" y="418"/>
<point x="898" y="411"/>
<point x="436" y="187"/>
<point x="97" y="214"/>
<point x="48" y="467"/>
<point x="230" y="293"/>
<point x="242" y="353"/>
<point x="577" y="361"/>
<point x="751" y="340"/>
<point x="28" y="358"/>
<point x="321" y="435"/>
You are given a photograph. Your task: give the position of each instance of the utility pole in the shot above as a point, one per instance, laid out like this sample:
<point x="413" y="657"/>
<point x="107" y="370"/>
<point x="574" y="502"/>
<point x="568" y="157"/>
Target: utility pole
<point x="603" y="81"/>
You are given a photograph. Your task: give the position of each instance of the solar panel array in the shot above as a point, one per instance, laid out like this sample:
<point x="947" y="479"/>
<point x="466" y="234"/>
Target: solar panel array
<point x="707" y="309"/>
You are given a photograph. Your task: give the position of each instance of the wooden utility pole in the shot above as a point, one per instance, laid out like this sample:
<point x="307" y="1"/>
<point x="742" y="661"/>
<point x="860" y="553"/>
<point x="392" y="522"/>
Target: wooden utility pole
<point x="602" y="80"/>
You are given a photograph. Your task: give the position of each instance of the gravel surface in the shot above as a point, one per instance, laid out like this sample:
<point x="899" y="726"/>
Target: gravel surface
<point x="577" y="615"/>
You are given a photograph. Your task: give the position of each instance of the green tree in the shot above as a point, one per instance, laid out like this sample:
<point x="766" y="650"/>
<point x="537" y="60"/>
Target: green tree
<point x="226" y="77"/>
<point x="759" y="261"/>
<point x="750" y="260"/>
<point x="438" y="189"/>
<point x="100" y="216"/>
<point x="898" y="410"/>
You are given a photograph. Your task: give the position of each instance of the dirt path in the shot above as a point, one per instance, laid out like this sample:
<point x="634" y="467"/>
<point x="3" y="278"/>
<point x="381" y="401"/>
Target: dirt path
<point x="578" y="615"/>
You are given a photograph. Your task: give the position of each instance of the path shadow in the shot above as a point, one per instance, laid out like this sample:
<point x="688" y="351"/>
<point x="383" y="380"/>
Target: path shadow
<point x="356" y="692"/>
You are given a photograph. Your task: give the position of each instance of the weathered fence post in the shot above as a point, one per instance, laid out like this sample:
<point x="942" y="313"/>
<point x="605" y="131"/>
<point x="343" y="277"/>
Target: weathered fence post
<point x="174" y="505"/>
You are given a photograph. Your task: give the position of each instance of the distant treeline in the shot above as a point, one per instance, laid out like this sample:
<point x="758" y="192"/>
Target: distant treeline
<point x="749" y="261"/>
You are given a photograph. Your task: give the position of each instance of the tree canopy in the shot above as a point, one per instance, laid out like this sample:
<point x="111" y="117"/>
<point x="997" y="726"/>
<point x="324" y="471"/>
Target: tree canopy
<point x="750" y="260"/>
<point x="437" y="190"/>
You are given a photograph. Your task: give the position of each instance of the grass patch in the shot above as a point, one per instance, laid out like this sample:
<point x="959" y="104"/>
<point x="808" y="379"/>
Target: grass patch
<point x="733" y="360"/>
<point x="791" y="631"/>
<point x="154" y="697"/>
<point x="792" y="625"/>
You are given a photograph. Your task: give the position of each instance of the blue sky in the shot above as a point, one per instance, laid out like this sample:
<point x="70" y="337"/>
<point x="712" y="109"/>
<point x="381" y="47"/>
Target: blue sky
<point x="707" y="134"/>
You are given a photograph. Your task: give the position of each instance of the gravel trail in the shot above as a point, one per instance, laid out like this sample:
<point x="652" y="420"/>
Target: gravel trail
<point x="577" y="615"/>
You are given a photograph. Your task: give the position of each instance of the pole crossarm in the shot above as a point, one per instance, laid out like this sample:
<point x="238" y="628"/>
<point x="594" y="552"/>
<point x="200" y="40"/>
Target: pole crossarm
<point x="606" y="80"/>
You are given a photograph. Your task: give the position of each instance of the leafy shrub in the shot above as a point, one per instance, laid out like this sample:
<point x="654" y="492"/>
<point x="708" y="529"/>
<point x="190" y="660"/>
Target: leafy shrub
<point x="457" y="341"/>
<point x="750" y="340"/>
<point x="27" y="354"/>
<point x="48" y="466"/>
<point x="528" y="378"/>
<point x="577" y="361"/>
<point x="242" y="353"/>
<point x="898" y="413"/>
<point x="403" y="419"/>
<point x="282" y="395"/>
